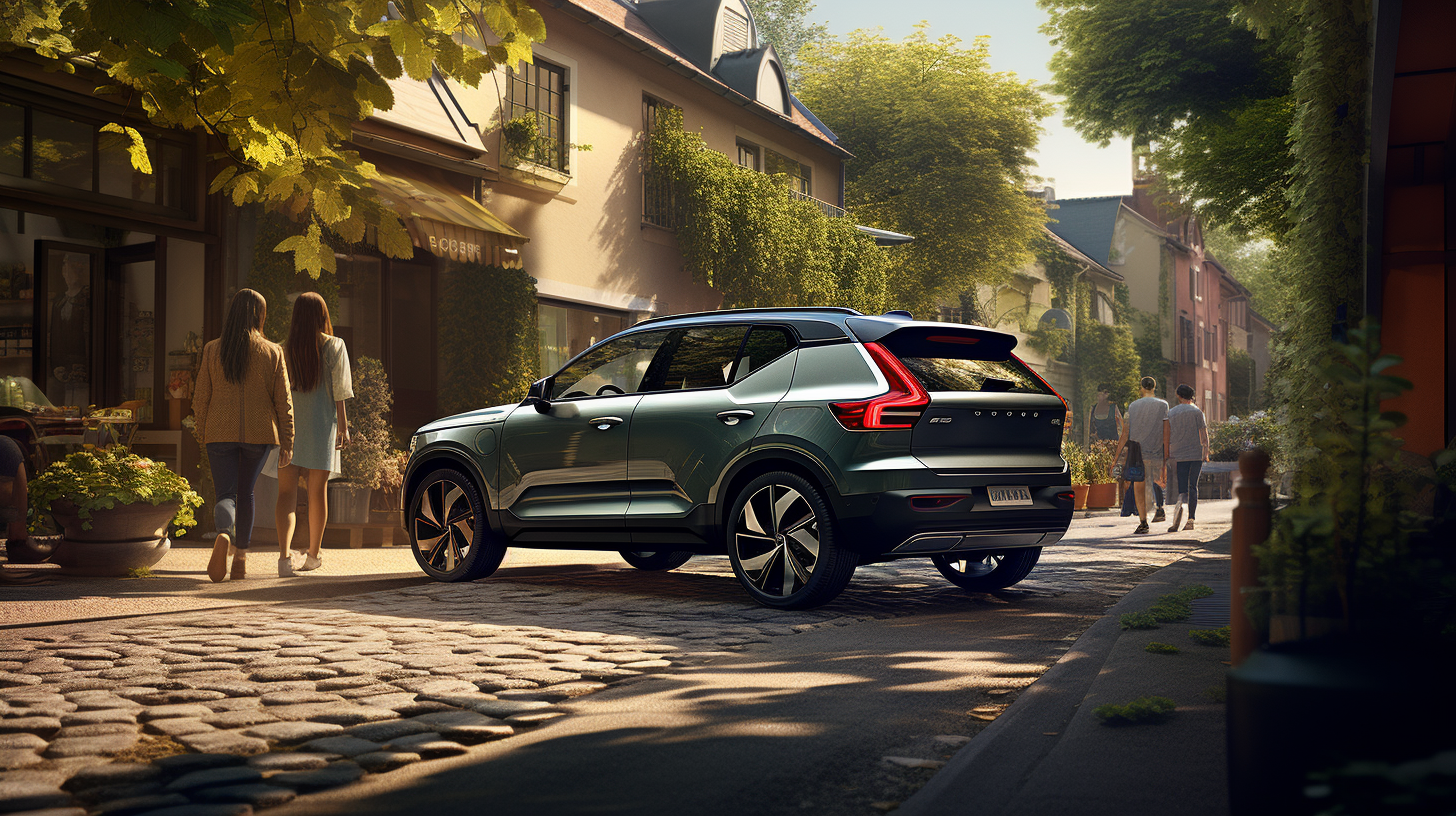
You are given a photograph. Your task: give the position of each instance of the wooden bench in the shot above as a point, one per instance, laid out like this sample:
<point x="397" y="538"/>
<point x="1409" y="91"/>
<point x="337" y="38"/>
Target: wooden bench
<point x="356" y="532"/>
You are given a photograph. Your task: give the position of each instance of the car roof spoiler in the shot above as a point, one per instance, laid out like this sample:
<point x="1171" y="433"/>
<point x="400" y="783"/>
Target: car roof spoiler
<point x="921" y="338"/>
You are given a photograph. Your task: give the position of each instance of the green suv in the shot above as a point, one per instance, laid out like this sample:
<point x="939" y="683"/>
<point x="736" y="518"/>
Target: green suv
<point x="800" y="443"/>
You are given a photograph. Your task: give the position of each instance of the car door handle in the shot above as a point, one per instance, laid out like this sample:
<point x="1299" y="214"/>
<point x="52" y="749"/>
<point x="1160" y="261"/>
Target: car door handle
<point x="604" y="423"/>
<point x="734" y="417"/>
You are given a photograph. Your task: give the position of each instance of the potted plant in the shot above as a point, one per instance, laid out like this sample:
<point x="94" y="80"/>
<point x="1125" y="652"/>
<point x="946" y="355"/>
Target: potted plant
<point x="1102" y="490"/>
<point x="371" y="442"/>
<point x="1356" y="599"/>
<point x="114" y="508"/>
<point x="1077" y="469"/>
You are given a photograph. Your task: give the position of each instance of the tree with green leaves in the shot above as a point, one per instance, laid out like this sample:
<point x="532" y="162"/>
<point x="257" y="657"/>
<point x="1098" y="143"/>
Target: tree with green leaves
<point x="940" y="146"/>
<point x="784" y="25"/>
<point x="277" y="85"/>
<point x="1197" y="81"/>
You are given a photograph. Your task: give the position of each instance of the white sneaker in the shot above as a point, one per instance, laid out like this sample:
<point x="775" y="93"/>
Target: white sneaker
<point x="285" y="566"/>
<point x="311" y="562"/>
<point x="1177" y="516"/>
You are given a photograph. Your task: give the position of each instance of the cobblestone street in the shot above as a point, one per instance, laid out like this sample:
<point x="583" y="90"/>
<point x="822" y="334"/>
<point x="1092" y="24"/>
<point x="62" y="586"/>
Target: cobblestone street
<point x="228" y="710"/>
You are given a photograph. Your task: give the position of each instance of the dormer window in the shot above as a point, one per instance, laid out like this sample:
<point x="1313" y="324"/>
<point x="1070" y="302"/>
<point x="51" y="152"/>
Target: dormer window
<point x="735" y="32"/>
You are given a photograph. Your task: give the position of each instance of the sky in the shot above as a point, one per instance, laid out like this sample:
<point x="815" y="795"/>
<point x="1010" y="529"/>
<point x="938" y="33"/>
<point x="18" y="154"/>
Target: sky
<point x="1075" y="167"/>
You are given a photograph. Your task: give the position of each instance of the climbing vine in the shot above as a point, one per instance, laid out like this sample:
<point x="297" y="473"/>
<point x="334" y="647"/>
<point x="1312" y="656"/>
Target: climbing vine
<point x="744" y="233"/>
<point x="486" y="362"/>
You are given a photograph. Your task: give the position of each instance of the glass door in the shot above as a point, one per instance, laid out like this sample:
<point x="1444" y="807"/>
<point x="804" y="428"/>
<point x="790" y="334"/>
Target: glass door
<point x="133" y="329"/>
<point x="70" y="325"/>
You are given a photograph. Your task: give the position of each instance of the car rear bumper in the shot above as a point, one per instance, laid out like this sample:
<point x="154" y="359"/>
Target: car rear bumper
<point x="897" y="523"/>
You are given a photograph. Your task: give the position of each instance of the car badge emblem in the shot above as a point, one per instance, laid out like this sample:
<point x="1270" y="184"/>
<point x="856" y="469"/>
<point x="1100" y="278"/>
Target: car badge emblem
<point x="934" y="420"/>
<point x="1056" y="422"/>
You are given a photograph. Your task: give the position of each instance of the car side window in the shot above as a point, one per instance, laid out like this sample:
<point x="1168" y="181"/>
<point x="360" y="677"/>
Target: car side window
<point x="765" y="344"/>
<point x="615" y="367"/>
<point x="700" y="357"/>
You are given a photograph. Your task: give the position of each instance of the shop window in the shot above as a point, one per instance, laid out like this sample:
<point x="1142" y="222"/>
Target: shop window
<point x="12" y="140"/>
<point x="118" y="177"/>
<point x="61" y="150"/>
<point x="359" y="320"/>
<point x="567" y="331"/>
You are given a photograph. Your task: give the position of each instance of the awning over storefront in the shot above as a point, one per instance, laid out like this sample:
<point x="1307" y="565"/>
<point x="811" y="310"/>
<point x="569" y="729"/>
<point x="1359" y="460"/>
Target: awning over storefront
<point x="450" y="224"/>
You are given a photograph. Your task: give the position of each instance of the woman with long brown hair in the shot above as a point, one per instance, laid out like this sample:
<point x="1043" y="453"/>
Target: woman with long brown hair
<point x="244" y="409"/>
<point x="318" y="368"/>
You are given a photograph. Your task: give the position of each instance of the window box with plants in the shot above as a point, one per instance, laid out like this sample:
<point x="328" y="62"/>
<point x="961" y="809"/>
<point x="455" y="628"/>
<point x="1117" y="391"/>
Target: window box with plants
<point x="527" y="155"/>
<point x="114" y="509"/>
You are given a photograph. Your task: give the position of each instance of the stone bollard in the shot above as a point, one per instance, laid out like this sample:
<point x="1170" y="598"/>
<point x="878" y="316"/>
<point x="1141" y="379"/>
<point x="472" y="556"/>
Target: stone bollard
<point x="1250" y="528"/>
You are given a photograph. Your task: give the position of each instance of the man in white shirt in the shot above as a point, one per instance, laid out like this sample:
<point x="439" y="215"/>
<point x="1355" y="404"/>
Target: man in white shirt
<point x="1147" y="425"/>
<point x="1188" y="448"/>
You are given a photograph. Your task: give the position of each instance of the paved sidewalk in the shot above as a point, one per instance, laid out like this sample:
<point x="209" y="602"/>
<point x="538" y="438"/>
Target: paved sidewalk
<point x="1048" y="753"/>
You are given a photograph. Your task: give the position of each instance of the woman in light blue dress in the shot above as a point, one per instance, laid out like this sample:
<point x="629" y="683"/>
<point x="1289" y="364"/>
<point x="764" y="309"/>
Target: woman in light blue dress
<point x="318" y="371"/>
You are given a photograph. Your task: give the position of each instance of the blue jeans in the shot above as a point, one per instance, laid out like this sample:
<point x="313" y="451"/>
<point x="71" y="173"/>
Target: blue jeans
<point x="1188" y="473"/>
<point x="235" y="470"/>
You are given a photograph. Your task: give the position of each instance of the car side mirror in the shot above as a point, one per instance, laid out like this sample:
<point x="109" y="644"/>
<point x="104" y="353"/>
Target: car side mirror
<point x="536" y="395"/>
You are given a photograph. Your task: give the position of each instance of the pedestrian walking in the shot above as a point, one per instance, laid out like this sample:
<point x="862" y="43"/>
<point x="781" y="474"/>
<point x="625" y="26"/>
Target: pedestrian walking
<point x="1147" y="425"/>
<point x="1188" y="449"/>
<point x="1106" y="418"/>
<point x="244" y="410"/>
<point x="318" y="369"/>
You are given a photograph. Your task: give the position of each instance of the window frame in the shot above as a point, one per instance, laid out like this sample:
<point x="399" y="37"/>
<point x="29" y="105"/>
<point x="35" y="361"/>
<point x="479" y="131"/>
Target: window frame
<point x="658" y="205"/>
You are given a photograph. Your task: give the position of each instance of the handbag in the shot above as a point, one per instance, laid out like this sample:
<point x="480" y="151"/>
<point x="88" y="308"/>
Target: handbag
<point x="1134" y="471"/>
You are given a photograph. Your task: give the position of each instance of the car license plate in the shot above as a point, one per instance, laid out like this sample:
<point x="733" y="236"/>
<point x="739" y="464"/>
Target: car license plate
<point x="1005" y="496"/>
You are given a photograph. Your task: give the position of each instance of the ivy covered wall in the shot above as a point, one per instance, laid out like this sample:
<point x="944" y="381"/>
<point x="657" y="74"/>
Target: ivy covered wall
<point x="489" y="352"/>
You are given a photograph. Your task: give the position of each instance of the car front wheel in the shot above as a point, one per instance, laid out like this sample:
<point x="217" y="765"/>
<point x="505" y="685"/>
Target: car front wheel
<point x="448" y="531"/>
<point x="982" y="571"/>
<point x="782" y="543"/>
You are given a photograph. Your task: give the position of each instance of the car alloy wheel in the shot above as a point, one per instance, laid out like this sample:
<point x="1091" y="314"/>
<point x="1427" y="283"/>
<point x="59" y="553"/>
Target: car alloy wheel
<point x="448" y="531"/>
<point x="986" y="570"/>
<point x="781" y="543"/>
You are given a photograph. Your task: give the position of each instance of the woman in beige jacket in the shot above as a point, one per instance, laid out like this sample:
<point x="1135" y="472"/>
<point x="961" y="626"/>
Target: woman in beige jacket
<point x="244" y="409"/>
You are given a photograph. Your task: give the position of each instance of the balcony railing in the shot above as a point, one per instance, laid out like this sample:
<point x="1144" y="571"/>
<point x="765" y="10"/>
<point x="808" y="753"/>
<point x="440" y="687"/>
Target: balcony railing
<point x="829" y="209"/>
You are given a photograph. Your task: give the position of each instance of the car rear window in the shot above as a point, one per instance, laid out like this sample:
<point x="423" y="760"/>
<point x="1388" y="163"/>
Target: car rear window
<point x="960" y="374"/>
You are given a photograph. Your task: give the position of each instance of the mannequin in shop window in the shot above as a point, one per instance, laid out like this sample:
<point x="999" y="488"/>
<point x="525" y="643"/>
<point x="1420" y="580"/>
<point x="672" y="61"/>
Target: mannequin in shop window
<point x="70" y="331"/>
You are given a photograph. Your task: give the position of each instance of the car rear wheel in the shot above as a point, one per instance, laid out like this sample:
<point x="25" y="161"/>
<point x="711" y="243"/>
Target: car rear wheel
<point x="448" y="530"/>
<point x="655" y="561"/>
<point x="982" y="571"/>
<point x="782" y="543"/>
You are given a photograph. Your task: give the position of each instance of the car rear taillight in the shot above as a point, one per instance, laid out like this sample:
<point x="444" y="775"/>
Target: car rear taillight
<point x="1065" y="405"/>
<point x="900" y="408"/>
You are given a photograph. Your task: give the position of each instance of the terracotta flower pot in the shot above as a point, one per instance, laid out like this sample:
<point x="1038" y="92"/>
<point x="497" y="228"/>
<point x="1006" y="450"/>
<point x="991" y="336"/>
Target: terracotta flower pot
<point x="1102" y="496"/>
<point x="1079" y="496"/>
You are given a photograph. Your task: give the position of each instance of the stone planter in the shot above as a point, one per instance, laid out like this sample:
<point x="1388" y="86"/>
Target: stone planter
<point x="121" y="539"/>
<point x="1102" y="496"/>
<point x="125" y="522"/>
<point x="1079" y="497"/>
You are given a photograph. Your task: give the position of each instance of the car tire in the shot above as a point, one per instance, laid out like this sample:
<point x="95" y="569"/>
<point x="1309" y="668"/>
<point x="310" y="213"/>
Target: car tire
<point x="782" y="541"/>
<point x="448" y="530"/>
<point x="655" y="561"/>
<point x="988" y="570"/>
